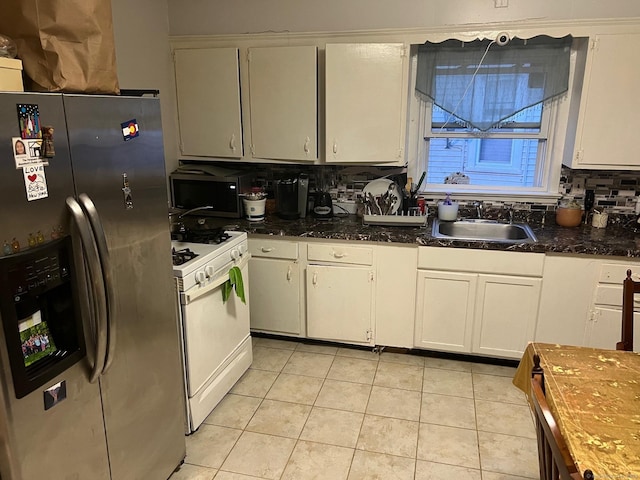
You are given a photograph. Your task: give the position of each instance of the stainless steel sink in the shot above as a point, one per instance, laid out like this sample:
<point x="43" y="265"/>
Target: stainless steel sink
<point x="483" y="231"/>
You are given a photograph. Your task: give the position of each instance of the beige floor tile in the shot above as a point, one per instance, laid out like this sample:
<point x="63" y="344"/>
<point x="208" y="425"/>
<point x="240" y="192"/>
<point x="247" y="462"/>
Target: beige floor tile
<point x="488" y="369"/>
<point x="209" y="446"/>
<point x="315" y="461"/>
<point x="397" y="375"/>
<point x="279" y="418"/>
<point x="503" y="476"/>
<point x="295" y="388"/>
<point x="233" y="411"/>
<point x="379" y="466"/>
<point x="259" y="455"/>
<point x="274" y="343"/>
<point x="348" y="396"/>
<point x="312" y="348"/>
<point x="445" y="363"/>
<point x="450" y="445"/>
<point x="333" y="427"/>
<point x="448" y="410"/>
<point x="405" y="358"/>
<point x="353" y="370"/>
<point x="233" y="476"/>
<point x="309" y="364"/>
<point x="254" y="383"/>
<point x="441" y="471"/>
<point x="368" y="354"/>
<point x="447" y="382"/>
<point x="270" y="359"/>
<point x="393" y="402"/>
<point x="497" y="389"/>
<point x="507" y="418"/>
<point x="193" y="472"/>
<point x="509" y="454"/>
<point x="388" y="435"/>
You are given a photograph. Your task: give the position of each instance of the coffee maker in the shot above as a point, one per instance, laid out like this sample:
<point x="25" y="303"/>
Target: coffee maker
<point x="291" y="197"/>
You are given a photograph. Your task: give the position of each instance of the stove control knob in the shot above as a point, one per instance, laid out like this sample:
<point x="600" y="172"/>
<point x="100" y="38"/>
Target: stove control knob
<point x="209" y="270"/>
<point x="235" y="254"/>
<point x="201" y="277"/>
<point x="242" y="249"/>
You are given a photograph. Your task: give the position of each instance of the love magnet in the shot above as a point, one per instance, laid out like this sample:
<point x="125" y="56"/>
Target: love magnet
<point x="35" y="182"/>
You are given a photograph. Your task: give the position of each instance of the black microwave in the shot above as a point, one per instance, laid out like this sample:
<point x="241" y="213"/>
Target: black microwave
<point x="207" y="185"/>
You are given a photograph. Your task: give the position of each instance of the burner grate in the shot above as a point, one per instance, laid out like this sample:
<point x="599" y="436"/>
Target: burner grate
<point x="211" y="236"/>
<point x="182" y="256"/>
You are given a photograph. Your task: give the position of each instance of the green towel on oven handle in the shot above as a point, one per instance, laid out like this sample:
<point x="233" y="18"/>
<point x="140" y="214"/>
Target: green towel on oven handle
<point x="234" y="282"/>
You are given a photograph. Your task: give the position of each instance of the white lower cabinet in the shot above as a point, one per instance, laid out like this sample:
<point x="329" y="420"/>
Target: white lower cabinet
<point x="444" y="310"/>
<point x="490" y="313"/>
<point x="275" y="284"/>
<point x="339" y="303"/>
<point x="339" y="292"/>
<point x="506" y="314"/>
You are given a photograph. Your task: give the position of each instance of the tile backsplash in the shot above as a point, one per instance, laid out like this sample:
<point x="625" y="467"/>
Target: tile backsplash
<point x="614" y="191"/>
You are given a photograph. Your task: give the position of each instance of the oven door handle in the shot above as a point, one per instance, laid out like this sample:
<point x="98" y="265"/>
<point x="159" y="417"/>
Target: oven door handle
<point x="188" y="297"/>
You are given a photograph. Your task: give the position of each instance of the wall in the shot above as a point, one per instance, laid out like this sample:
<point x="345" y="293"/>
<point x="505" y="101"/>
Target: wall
<point x="208" y="17"/>
<point x="141" y="31"/>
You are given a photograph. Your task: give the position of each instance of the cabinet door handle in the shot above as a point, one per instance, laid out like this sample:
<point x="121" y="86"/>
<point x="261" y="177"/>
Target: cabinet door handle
<point x="289" y="274"/>
<point x="335" y="147"/>
<point x="266" y="249"/>
<point x="232" y="142"/>
<point x="314" y="280"/>
<point x="306" y="145"/>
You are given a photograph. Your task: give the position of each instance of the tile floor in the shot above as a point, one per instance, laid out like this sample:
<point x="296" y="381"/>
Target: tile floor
<point x="322" y="412"/>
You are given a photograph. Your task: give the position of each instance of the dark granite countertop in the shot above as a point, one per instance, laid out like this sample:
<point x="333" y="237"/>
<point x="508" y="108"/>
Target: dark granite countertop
<point x="614" y="240"/>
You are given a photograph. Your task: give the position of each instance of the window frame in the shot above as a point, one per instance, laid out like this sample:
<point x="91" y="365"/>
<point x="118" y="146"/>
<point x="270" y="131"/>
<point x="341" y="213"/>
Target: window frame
<point x="552" y="135"/>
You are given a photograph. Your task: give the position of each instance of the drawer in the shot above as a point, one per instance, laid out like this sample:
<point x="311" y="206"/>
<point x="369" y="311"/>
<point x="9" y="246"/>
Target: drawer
<point x="617" y="272"/>
<point x="612" y="295"/>
<point x="340" y="254"/>
<point x="273" y="248"/>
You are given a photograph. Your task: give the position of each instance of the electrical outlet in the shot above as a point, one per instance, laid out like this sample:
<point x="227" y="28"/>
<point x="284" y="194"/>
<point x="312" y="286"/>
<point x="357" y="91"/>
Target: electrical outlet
<point x="501" y="3"/>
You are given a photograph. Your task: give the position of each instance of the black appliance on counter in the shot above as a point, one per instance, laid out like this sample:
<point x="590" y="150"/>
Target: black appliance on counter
<point x="291" y="197"/>
<point x="322" y="205"/>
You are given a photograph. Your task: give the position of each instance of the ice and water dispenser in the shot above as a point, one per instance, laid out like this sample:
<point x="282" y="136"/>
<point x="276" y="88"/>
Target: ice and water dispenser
<point x="40" y="314"/>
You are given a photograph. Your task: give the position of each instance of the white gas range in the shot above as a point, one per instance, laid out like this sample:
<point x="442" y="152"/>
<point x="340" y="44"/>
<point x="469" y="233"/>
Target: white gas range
<point x="216" y="343"/>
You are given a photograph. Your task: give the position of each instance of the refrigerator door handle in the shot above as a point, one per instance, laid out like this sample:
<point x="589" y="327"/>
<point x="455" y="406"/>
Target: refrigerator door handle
<point x="98" y="312"/>
<point x="103" y="252"/>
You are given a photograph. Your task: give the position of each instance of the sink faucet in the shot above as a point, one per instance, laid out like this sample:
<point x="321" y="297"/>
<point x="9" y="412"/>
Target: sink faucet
<point x="479" y="208"/>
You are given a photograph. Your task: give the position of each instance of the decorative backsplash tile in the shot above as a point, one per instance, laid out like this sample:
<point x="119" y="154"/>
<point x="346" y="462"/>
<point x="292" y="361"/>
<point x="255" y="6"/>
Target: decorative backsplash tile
<point x="614" y="191"/>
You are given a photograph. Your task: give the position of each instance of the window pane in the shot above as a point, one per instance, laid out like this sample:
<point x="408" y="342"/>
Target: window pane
<point x="488" y="161"/>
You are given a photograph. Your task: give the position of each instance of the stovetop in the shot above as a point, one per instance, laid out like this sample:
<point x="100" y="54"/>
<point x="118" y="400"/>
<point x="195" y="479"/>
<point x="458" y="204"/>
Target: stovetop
<point x="209" y="257"/>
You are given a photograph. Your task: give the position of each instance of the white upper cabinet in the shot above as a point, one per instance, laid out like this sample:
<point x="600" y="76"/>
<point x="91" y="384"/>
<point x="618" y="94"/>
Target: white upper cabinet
<point x="208" y="96"/>
<point x="607" y="123"/>
<point x="283" y="101"/>
<point x="365" y="101"/>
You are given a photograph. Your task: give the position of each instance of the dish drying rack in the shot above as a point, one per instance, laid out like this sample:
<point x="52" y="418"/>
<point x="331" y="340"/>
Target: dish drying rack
<point x="398" y="220"/>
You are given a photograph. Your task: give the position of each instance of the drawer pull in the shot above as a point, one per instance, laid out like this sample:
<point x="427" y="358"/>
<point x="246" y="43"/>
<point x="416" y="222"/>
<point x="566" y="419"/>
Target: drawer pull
<point x="339" y="254"/>
<point x="266" y="249"/>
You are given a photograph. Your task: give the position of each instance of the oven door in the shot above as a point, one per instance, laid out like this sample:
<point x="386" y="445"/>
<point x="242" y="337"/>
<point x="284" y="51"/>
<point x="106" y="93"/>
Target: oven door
<point x="213" y="330"/>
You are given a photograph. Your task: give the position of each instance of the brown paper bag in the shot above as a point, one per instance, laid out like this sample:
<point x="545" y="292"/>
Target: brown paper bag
<point x="64" y="45"/>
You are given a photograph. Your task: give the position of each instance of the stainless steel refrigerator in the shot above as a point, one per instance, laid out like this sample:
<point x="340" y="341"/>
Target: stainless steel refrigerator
<point x="90" y="373"/>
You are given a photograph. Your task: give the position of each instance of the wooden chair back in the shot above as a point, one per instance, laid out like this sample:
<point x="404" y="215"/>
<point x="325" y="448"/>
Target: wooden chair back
<point x="629" y="289"/>
<point x="554" y="457"/>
